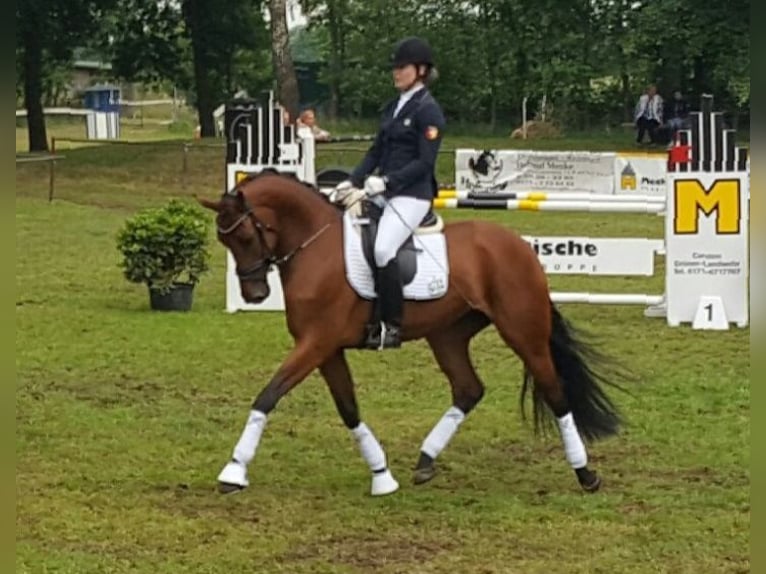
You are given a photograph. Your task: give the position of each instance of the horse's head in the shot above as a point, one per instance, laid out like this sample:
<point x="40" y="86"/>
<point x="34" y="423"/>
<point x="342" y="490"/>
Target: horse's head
<point x="250" y="240"/>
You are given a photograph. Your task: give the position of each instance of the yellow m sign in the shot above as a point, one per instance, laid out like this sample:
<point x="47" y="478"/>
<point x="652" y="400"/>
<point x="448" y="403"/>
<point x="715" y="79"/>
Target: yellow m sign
<point x="721" y="199"/>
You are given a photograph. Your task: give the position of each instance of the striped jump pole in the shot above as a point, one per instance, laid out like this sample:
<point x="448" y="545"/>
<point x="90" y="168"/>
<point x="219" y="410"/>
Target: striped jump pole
<point x="532" y="205"/>
<point x="544" y="196"/>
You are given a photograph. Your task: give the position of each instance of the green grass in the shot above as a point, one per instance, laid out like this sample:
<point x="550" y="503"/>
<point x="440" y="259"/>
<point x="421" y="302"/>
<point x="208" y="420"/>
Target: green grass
<point x="124" y="418"/>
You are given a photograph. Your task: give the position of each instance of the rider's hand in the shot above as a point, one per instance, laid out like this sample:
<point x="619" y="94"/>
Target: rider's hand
<point x="374" y="185"/>
<point x="342" y="190"/>
<point x="344" y="186"/>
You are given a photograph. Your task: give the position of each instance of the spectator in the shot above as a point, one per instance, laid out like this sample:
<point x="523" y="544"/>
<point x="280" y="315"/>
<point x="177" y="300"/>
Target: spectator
<point x="287" y="127"/>
<point x="648" y="115"/>
<point x="308" y="119"/>
<point x="678" y="112"/>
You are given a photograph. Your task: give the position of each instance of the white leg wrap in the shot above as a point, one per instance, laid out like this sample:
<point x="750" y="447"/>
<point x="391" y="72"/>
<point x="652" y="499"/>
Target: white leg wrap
<point x="370" y="448"/>
<point x="251" y="436"/>
<point x="573" y="445"/>
<point x="441" y="434"/>
<point x="235" y="471"/>
<point x="383" y="482"/>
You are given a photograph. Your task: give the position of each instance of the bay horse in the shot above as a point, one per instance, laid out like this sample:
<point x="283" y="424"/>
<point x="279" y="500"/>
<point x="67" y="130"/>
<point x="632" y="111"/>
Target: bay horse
<point x="495" y="278"/>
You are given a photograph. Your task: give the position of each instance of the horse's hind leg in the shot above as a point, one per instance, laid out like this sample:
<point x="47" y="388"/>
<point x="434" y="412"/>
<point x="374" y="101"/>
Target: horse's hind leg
<point x="525" y="324"/>
<point x="541" y="370"/>
<point x="338" y="377"/>
<point x="450" y="347"/>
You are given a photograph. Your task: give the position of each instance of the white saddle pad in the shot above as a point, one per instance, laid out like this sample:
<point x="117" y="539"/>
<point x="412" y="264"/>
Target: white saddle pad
<point x="431" y="279"/>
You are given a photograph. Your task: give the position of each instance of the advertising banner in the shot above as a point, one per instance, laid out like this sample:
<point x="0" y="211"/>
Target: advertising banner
<point x="640" y="174"/>
<point x="707" y="244"/>
<point x="596" y="255"/>
<point x="514" y="170"/>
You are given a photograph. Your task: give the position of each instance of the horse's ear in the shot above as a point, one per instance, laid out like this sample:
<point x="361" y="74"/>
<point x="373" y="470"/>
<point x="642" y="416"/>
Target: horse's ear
<point x="241" y="200"/>
<point x="212" y="205"/>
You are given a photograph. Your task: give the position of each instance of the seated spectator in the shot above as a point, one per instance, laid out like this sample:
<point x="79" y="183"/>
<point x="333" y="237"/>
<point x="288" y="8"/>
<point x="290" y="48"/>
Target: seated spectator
<point x="648" y="115"/>
<point x="677" y="114"/>
<point x="308" y="119"/>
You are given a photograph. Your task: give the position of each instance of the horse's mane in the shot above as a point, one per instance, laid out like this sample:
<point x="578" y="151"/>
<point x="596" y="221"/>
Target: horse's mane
<point x="274" y="171"/>
<point x="270" y="171"/>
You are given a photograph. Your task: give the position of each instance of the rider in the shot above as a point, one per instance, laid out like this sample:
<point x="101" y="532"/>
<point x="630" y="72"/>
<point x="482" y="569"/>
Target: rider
<point x="404" y="153"/>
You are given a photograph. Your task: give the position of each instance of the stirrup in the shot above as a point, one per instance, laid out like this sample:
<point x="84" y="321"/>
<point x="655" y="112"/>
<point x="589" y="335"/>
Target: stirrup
<point x="372" y="336"/>
<point x="392" y="338"/>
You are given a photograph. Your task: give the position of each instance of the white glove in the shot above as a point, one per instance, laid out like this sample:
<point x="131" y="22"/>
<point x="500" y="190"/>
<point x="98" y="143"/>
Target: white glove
<point x="344" y="186"/>
<point x="374" y="185"/>
<point x="342" y="190"/>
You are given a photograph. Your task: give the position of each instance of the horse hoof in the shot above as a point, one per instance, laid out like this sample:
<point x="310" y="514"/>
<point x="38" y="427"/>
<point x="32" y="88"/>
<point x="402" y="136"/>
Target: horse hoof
<point x="383" y="483"/>
<point x="589" y="480"/>
<point x="423" y="475"/>
<point x="592" y="486"/>
<point x="232" y="478"/>
<point x="228" y="488"/>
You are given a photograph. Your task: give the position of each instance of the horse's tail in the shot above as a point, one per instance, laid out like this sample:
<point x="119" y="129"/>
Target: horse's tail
<point x="583" y="371"/>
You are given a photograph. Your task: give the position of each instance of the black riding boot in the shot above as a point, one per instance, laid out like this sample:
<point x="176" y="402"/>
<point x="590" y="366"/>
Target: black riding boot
<point x="373" y="330"/>
<point x="391" y="303"/>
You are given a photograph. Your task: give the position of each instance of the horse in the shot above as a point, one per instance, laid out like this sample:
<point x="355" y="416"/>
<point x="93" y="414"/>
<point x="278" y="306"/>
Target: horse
<point x="495" y="278"/>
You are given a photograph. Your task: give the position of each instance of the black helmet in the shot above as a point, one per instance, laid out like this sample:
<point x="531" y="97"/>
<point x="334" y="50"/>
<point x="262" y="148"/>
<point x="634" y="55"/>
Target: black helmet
<point x="412" y="51"/>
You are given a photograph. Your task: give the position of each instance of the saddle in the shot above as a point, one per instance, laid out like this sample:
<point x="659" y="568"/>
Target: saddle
<point x="406" y="257"/>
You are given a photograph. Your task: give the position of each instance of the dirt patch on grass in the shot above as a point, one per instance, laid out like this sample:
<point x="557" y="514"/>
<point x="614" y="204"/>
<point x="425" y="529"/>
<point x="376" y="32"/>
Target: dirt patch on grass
<point x="122" y="392"/>
<point x="202" y="502"/>
<point x="637" y="507"/>
<point x="670" y="479"/>
<point x="126" y="390"/>
<point x="701" y="475"/>
<point x="371" y="553"/>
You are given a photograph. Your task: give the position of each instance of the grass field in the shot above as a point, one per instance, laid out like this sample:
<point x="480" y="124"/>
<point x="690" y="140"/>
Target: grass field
<point x="124" y="418"/>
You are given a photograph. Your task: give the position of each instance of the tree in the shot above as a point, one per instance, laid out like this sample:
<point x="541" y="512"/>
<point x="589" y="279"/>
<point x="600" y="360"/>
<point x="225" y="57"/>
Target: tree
<point x="48" y="31"/>
<point x="590" y="57"/>
<point x="222" y="32"/>
<point x="284" y="71"/>
<point x="197" y="16"/>
<point x="332" y="17"/>
<point x="29" y="21"/>
<point x="211" y="48"/>
<point x="145" y="42"/>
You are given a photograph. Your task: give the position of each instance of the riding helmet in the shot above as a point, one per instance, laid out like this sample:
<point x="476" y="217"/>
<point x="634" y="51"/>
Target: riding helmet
<point x="412" y="50"/>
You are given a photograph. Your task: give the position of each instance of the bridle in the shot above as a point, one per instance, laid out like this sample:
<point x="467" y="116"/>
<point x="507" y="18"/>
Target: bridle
<point x="270" y="258"/>
<point x="249" y="273"/>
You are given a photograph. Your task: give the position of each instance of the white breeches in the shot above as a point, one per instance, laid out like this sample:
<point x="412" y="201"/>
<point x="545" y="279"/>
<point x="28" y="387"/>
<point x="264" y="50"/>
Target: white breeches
<point x="401" y="216"/>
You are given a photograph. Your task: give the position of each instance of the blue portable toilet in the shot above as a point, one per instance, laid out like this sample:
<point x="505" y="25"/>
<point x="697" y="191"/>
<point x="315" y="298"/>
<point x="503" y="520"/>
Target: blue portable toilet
<point x="103" y="119"/>
<point x="103" y="98"/>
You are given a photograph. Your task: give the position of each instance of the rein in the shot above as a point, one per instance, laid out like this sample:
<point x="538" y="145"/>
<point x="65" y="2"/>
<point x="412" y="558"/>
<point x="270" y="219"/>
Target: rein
<point x="270" y="258"/>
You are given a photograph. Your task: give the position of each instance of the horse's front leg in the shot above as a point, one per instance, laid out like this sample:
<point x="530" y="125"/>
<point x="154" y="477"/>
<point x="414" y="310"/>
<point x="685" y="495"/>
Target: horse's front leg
<point x="335" y="371"/>
<point x="304" y="358"/>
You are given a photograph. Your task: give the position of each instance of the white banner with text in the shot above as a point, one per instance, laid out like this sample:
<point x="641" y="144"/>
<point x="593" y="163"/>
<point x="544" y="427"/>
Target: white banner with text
<point x="515" y="170"/>
<point x="596" y="255"/>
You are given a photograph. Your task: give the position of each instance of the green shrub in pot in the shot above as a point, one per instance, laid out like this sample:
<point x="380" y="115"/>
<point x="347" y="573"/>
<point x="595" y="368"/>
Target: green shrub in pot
<point x="167" y="249"/>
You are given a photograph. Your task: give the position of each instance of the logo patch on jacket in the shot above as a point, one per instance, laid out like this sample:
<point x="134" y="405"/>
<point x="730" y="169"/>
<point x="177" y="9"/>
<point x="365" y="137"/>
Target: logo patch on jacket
<point x="432" y="132"/>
